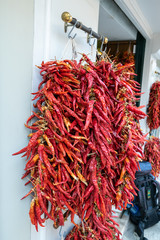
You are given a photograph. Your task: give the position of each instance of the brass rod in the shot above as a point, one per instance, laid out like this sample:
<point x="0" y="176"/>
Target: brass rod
<point x="67" y="18"/>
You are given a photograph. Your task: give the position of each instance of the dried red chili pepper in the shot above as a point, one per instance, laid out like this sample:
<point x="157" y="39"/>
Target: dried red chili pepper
<point x="89" y="114"/>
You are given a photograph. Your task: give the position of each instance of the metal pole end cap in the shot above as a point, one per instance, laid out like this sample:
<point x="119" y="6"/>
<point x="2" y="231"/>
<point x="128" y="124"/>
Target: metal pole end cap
<point x="66" y="17"/>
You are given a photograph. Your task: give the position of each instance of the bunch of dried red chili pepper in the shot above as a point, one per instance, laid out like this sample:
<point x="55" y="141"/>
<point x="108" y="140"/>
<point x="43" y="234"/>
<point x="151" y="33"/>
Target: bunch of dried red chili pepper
<point x="153" y="119"/>
<point x="84" y="151"/>
<point x="152" y="154"/>
<point x="126" y="58"/>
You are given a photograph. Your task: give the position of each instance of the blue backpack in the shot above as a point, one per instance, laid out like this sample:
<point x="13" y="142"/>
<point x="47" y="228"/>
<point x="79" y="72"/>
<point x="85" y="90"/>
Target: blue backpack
<point x="145" y="211"/>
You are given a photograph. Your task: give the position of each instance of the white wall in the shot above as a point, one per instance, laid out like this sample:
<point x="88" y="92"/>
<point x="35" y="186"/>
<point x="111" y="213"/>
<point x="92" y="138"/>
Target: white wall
<point x="16" y="48"/>
<point x="50" y="41"/>
<point x="146" y="81"/>
<point x="156" y="43"/>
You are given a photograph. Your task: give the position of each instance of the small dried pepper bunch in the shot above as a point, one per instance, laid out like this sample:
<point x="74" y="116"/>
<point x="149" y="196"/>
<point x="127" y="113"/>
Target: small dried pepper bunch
<point x="126" y="58"/>
<point x="153" y="119"/>
<point x="84" y="151"/>
<point x="152" y="154"/>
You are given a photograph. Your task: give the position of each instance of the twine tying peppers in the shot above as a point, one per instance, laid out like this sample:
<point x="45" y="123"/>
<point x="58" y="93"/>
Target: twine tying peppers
<point x="86" y="143"/>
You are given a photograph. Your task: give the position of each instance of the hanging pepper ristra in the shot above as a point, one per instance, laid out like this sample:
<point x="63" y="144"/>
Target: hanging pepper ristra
<point x="85" y="146"/>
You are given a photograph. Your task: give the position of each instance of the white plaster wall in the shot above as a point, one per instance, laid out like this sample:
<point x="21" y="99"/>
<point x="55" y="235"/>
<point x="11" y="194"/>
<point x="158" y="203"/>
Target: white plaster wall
<point x="156" y="43"/>
<point x="50" y="40"/>
<point x="16" y="54"/>
<point x="85" y="11"/>
<point x="146" y="81"/>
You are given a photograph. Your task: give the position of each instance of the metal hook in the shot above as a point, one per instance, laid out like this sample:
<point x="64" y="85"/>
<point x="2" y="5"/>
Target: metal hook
<point x="105" y="49"/>
<point x="69" y="34"/>
<point x="60" y="233"/>
<point x="89" y="38"/>
<point x="102" y="43"/>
